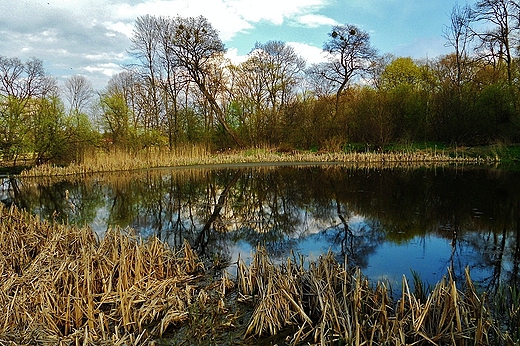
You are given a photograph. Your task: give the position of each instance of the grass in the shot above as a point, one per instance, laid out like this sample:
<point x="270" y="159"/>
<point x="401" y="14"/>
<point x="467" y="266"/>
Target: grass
<point x="62" y="285"/>
<point x="103" y="161"/>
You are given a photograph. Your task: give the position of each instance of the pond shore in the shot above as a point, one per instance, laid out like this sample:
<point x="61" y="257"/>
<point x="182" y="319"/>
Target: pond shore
<point x="125" y="161"/>
<point x="63" y="285"/>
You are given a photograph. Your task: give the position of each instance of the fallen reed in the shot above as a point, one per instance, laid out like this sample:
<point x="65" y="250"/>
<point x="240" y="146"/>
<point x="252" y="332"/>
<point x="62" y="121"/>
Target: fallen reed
<point x="331" y="304"/>
<point x="62" y="285"/>
<point x="118" y="160"/>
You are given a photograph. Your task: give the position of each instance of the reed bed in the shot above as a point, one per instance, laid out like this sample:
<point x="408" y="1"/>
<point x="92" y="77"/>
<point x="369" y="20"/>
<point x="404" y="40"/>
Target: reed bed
<point x="195" y="155"/>
<point x="62" y="285"/>
<point x="330" y="304"/>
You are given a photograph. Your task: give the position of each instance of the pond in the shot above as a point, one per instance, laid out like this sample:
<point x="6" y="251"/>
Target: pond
<point x="389" y="222"/>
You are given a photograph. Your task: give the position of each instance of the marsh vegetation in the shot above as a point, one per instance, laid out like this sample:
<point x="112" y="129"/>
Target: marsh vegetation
<point x="323" y="231"/>
<point x="63" y="285"/>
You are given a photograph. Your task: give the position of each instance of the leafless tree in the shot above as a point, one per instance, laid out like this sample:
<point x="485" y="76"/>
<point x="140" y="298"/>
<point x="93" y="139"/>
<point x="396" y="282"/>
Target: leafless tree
<point x="78" y="92"/>
<point x="350" y="55"/>
<point x="499" y="38"/>
<point x="458" y="35"/>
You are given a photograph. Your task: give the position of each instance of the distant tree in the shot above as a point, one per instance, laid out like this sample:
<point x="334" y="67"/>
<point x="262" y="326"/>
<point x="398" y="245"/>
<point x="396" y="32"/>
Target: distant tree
<point x="401" y="72"/>
<point x="145" y="48"/>
<point x="264" y="85"/>
<point x="20" y="84"/>
<point x="197" y="48"/>
<point x="500" y="38"/>
<point x="350" y="55"/>
<point x="50" y="138"/>
<point x="115" y="118"/>
<point x="458" y="35"/>
<point x="79" y="93"/>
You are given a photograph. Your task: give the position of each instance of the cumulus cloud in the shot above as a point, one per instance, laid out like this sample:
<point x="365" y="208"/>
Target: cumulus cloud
<point x="316" y="20"/>
<point x="311" y="54"/>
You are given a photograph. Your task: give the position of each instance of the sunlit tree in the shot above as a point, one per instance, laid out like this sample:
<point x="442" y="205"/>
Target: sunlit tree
<point x="350" y="55"/>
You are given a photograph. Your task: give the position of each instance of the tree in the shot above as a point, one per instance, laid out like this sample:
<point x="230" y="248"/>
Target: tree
<point x="350" y="55"/>
<point x="498" y="42"/>
<point x="458" y="35"/>
<point x="263" y="86"/>
<point x="79" y="93"/>
<point x="196" y="46"/>
<point x="48" y="130"/>
<point x="401" y="72"/>
<point x="145" y="47"/>
<point x="20" y="83"/>
<point x="116" y="116"/>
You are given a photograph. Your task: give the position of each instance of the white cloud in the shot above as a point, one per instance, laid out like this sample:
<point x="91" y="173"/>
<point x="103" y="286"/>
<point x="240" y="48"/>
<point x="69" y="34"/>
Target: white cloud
<point x="311" y="54"/>
<point x="234" y="57"/>
<point x="120" y="27"/>
<point x="274" y="11"/>
<point x="316" y="20"/>
<point x="108" y="69"/>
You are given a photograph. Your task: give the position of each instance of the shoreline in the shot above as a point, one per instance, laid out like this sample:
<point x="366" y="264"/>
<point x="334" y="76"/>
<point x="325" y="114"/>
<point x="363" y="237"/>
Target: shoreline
<point x="113" y="162"/>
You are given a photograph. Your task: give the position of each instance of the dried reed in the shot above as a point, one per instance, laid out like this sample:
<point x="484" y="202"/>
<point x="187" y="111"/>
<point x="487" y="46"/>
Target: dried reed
<point x="328" y="303"/>
<point x="197" y="155"/>
<point x="62" y="285"/>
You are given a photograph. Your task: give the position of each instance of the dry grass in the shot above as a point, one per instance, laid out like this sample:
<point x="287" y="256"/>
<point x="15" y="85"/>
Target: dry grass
<point x="62" y="285"/>
<point x="197" y="155"/>
<point x="328" y="304"/>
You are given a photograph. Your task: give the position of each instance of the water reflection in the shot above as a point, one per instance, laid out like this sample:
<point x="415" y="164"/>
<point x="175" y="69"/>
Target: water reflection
<point x="386" y="221"/>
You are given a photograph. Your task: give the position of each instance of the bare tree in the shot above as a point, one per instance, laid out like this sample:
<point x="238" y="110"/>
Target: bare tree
<point x="145" y="47"/>
<point x="497" y="42"/>
<point x="78" y="92"/>
<point x="197" y="48"/>
<point x="350" y="55"/>
<point x="458" y="35"/>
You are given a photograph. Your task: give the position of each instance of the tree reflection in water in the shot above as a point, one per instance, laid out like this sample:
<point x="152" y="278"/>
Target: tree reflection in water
<point x="458" y="216"/>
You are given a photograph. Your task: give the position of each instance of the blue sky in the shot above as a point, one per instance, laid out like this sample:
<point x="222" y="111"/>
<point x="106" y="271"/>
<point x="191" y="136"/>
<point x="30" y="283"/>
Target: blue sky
<point x="91" y="37"/>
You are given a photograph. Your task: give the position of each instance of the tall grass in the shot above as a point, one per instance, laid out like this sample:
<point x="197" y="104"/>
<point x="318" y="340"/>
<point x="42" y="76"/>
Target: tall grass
<point x="61" y="285"/>
<point x="329" y="304"/>
<point x="118" y="160"/>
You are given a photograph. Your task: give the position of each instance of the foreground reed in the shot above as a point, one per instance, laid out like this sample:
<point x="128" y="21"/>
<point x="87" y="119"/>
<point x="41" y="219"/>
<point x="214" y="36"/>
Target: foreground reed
<point x="61" y="285"/>
<point x="329" y="304"/>
<point x="194" y="155"/>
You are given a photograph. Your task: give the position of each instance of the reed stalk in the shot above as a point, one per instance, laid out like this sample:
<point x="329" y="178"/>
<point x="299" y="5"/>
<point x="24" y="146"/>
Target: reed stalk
<point x="330" y="304"/>
<point x="61" y="284"/>
<point x="191" y="155"/>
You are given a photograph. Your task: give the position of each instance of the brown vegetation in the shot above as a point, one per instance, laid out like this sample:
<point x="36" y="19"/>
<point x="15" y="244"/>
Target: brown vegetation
<point x="198" y="155"/>
<point x="63" y="285"/>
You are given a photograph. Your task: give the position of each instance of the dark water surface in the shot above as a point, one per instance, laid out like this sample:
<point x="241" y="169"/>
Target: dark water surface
<point x="386" y="221"/>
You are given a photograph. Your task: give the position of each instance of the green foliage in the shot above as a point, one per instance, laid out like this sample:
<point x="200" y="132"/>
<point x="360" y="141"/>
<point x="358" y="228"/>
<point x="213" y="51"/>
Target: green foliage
<point x="48" y="130"/>
<point x="116" y="115"/>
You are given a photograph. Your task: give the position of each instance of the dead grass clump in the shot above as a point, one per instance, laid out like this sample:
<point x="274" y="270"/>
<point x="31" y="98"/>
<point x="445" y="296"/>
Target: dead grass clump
<point x="61" y="284"/>
<point x="329" y="304"/>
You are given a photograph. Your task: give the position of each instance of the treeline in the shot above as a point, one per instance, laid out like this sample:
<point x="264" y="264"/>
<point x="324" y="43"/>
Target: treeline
<point x="182" y="89"/>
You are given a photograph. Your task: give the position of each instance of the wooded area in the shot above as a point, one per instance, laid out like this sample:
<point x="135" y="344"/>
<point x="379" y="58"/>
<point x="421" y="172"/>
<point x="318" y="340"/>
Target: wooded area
<point x="182" y="89"/>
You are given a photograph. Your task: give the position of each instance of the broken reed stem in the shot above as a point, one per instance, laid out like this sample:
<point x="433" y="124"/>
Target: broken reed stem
<point x="62" y="284"/>
<point x="328" y="304"/>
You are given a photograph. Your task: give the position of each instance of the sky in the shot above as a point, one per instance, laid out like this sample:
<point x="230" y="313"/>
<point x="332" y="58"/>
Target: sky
<point x="92" y="37"/>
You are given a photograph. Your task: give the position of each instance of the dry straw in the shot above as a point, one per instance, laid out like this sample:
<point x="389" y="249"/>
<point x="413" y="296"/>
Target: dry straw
<point x="197" y="155"/>
<point x="328" y="304"/>
<point x="62" y="285"/>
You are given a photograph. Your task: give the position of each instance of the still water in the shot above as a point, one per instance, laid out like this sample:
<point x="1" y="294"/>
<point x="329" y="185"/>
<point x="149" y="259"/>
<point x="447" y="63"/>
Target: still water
<point x="388" y="222"/>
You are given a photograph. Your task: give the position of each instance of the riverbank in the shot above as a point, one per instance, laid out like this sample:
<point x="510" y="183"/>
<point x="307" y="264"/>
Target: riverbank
<point x="111" y="161"/>
<point x="63" y="285"/>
